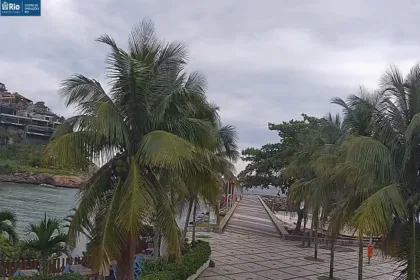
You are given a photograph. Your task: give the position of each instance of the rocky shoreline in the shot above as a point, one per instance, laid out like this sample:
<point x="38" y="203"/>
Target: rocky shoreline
<point x="42" y="178"/>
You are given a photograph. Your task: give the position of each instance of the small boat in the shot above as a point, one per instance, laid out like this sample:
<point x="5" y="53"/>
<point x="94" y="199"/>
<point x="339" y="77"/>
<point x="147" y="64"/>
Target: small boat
<point x="48" y="186"/>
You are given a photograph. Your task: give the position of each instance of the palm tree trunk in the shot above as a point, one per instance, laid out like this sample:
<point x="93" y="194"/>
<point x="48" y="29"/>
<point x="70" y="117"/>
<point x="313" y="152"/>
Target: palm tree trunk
<point x="44" y="265"/>
<point x="194" y="219"/>
<point x="131" y="256"/>
<point x="305" y="219"/>
<point x="316" y="226"/>
<point x="331" y="275"/>
<point x="299" y="221"/>
<point x="360" y="266"/>
<point x="414" y="249"/>
<point x="187" y="219"/>
<point x="163" y="250"/>
<point x="156" y="241"/>
<point x="311" y="233"/>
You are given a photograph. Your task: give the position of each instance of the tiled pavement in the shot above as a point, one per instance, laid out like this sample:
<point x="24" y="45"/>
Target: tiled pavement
<point x="251" y="249"/>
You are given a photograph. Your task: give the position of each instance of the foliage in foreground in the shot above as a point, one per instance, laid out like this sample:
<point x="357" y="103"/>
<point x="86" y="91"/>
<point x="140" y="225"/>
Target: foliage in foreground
<point x="158" y="269"/>
<point x="155" y="133"/>
<point x="362" y="172"/>
<point x="57" y="277"/>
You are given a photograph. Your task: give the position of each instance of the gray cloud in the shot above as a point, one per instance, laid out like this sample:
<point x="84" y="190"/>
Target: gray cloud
<point x="266" y="61"/>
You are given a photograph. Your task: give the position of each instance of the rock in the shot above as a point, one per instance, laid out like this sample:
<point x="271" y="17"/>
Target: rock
<point x="41" y="178"/>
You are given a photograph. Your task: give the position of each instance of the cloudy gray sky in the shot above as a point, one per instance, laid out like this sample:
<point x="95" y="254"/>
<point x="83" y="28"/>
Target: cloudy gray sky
<point x="266" y="61"/>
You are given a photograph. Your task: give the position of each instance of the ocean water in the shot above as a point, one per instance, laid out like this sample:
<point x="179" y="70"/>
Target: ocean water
<point x="272" y="191"/>
<point x="30" y="202"/>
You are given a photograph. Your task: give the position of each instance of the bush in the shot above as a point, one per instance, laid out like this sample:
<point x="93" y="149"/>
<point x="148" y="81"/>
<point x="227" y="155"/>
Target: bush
<point x="58" y="277"/>
<point x="157" y="269"/>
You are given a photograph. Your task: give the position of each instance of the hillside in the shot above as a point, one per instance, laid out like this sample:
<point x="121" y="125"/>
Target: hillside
<point x="20" y="162"/>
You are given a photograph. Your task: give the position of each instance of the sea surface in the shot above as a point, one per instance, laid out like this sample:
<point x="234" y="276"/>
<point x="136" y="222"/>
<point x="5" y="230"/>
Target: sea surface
<point x="31" y="202"/>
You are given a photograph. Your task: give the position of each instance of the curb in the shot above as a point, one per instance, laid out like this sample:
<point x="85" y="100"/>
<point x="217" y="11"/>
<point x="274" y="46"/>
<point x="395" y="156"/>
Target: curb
<point x="227" y="217"/>
<point x="283" y="232"/>
<point x="199" y="271"/>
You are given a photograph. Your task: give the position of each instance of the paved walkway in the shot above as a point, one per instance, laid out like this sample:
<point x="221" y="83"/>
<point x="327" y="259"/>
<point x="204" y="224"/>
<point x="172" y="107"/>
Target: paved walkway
<point x="250" y="218"/>
<point x="250" y="249"/>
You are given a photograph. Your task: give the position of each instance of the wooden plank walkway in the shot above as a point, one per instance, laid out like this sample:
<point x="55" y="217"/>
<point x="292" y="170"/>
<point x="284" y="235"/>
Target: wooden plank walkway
<point x="250" y="217"/>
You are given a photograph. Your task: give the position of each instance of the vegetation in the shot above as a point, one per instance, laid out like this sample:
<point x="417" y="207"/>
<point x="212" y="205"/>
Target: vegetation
<point x="158" y="269"/>
<point x="8" y="226"/>
<point x="49" y="240"/>
<point x="358" y="170"/>
<point x="159" y="138"/>
<point x="69" y="276"/>
<point x="19" y="157"/>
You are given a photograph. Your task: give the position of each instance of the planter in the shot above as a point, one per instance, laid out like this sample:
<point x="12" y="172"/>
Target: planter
<point x="199" y="271"/>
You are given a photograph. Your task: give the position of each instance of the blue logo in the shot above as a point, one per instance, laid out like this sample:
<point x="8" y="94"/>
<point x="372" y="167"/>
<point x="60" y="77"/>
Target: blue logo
<point x="20" y="7"/>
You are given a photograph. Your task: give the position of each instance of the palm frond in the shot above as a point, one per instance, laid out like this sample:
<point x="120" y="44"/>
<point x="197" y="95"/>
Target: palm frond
<point x="377" y="213"/>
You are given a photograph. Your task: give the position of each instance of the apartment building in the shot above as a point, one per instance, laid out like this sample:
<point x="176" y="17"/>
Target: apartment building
<point x="18" y="113"/>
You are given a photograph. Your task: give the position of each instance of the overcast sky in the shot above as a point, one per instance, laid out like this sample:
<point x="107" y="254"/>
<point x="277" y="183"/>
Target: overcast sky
<point x="266" y="61"/>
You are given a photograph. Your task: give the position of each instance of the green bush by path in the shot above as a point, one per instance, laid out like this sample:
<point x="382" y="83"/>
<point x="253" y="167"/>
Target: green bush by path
<point x="58" y="277"/>
<point x="157" y="269"/>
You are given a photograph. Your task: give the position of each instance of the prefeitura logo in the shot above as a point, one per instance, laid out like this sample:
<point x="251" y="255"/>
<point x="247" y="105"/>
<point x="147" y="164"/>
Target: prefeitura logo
<point x="10" y="8"/>
<point x="20" y="7"/>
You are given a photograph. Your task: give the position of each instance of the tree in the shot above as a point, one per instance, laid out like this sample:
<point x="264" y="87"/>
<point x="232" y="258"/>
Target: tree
<point x="388" y="161"/>
<point x="266" y="165"/>
<point x="3" y="88"/>
<point x="41" y="108"/>
<point x="198" y="189"/>
<point x="8" y="225"/>
<point x="154" y="127"/>
<point x="49" y="240"/>
<point x="358" y="121"/>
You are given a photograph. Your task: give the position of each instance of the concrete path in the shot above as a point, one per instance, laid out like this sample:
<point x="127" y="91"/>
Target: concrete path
<point x="250" y="249"/>
<point x="250" y="218"/>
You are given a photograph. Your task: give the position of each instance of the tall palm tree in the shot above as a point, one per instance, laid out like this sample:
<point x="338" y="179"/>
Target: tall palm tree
<point x="49" y="240"/>
<point x="387" y="162"/>
<point x="154" y="121"/>
<point x="358" y="121"/>
<point x="8" y="225"/>
<point x="226" y="153"/>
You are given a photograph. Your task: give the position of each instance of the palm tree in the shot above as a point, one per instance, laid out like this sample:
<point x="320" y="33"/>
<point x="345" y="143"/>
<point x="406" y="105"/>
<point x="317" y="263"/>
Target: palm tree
<point x="386" y="164"/>
<point x="49" y="240"/>
<point x="8" y="225"/>
<point x="358" y="121"/>
<point x="149" y="130"/>
<point x="201" y="188"/>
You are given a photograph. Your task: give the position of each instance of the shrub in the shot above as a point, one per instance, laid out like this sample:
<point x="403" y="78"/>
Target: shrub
<point x="157" y="269"/>
<point x="58" y="277"/>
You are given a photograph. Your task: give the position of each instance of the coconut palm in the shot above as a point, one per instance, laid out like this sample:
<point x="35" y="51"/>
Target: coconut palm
<point x="387" y="165"/>
<point x="358" y="121"/>
<point x="153" y="123"/>
<point x="8" y="225"/>
<point x="312" y="168"/>
<point x="48" y="240"/>
<point x="198" y="188"/>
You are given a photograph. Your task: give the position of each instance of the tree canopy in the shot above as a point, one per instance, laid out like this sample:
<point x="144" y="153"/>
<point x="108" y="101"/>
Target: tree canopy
<point x="265" y="165"/>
